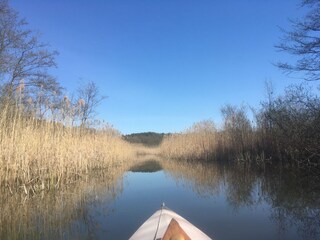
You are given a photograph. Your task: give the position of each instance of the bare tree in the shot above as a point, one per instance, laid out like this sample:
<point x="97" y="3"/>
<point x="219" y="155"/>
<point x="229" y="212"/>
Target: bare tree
<point x="237" y="128"/>
<point x="89" y="99"/>
<point x="23" y="58"/>
<point x="290" y="127"/>
<point x="303" y="41"/>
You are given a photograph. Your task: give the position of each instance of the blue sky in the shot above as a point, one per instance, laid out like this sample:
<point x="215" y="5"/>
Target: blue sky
<point x="165" y="64"/>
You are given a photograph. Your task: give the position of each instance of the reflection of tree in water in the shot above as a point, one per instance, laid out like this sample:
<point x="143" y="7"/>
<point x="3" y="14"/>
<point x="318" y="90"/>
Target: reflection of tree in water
<point x="242" y="184"/>
<point x="294" y="199"/>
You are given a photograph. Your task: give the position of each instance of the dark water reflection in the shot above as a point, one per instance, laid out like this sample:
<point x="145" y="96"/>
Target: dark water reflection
<point x="148" y="166"/>
<point x="226" y="202"/>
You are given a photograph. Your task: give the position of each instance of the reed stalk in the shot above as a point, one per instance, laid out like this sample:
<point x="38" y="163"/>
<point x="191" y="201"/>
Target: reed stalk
<point x="40" y="154"/>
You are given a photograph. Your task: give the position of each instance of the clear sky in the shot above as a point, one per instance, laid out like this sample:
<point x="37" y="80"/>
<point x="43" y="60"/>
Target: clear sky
<point x="165" y="64"/>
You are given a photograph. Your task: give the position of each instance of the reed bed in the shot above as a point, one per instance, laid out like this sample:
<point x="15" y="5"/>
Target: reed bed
<point x="37" y="155"/>
<point x="197" y="143"/>
<point x="188" y="146"/>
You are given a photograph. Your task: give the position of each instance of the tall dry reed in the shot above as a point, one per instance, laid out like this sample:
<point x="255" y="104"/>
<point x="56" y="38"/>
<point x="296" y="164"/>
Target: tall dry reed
<point x="198" y="142"/>
<point x="36" y="154"/>
<point x="204" y="142"/>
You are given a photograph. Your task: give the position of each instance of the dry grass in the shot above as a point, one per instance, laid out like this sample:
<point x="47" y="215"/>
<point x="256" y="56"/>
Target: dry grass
<point x="199" y="142"/>
<point x="37" y="155"/>
<point x="235" y="141"/>
<point x="143" y="151"/>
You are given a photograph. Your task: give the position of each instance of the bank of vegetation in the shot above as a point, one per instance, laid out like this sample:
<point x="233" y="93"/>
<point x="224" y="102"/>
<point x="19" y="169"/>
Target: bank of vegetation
<point x="40" y="155"/>
<point x="285" y="129"/>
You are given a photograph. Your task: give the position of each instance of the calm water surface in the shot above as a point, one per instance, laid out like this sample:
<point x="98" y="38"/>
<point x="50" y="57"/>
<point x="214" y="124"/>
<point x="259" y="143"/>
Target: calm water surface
<point x="225" y="202"/>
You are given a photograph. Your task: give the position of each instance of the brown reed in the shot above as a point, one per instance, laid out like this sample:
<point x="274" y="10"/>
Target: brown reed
<point x="197" y="143"/>
<point x="41" y="154"/>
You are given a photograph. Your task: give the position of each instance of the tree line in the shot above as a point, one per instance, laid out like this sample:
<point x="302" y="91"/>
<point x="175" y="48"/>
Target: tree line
<point x="149" y="139"/>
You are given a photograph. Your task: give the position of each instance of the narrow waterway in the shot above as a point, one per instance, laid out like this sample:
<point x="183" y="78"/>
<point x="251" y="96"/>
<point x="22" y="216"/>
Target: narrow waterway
<point x="224" y="202"/>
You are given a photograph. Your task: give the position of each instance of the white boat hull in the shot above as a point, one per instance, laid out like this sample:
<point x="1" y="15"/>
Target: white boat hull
<point x="149" y="229"/>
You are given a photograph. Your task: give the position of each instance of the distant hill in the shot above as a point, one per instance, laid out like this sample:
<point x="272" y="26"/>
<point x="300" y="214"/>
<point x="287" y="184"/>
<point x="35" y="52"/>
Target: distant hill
<point x="150" y="139"/>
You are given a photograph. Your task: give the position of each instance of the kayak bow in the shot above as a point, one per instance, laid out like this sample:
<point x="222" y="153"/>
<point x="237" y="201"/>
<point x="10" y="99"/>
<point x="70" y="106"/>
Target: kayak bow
<point x="165" y="224"/>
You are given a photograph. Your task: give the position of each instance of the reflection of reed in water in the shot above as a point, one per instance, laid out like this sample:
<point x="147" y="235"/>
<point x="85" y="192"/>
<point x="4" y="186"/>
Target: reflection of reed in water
<point x="61" y="214"/>
<point x="208" y="179"/>
<point x="204" y="179"/>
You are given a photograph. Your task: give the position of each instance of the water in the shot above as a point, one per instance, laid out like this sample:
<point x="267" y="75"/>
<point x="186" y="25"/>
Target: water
<point x="225" y="202"/>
